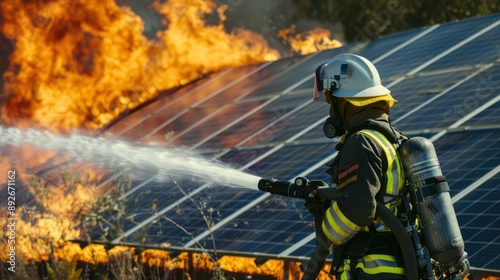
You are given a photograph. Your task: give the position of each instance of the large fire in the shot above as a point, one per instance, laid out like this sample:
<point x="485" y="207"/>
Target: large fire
<point x="81" y="63"/>
<point x="78" y="65"/>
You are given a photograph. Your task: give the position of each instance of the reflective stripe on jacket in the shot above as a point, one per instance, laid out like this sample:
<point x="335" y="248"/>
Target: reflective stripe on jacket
<point x="374" y="266"/>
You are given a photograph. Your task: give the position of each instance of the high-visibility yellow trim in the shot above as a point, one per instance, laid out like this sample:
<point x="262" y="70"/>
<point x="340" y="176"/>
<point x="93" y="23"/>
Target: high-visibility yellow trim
<point x="390" y="153"/>
<point x="332" y="235"/>
<point x="372" y="264"/>
<point x="394" y="173"/>
<point x="378" y="263"/>
<point x="346" y="270"/>
<point x="337" y="227"/>
<point x="344" y="219"/>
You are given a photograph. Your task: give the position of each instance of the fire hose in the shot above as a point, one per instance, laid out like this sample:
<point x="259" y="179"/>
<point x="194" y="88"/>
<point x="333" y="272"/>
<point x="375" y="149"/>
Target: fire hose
<point x="308" y="190"/>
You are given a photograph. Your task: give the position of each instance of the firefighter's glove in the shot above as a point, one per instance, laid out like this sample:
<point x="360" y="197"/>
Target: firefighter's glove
<point x="316" y="208"/>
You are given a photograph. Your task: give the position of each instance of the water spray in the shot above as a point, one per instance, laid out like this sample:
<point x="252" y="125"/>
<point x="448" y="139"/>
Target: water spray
<point x="143" y="161"/>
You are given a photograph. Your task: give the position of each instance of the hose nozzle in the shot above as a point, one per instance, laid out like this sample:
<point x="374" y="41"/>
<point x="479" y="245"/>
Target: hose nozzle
<point x="301" y="188"/>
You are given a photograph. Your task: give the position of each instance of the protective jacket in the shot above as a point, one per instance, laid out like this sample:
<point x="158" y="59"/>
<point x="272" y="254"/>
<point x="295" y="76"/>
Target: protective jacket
<point x="367" y="169"/>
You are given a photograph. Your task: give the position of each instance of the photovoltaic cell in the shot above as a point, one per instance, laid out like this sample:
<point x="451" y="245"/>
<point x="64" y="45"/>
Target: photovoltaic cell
<point x="484" y="49"/>
<point x="182" y="98"/>
<point x="291" y="160"/>
<point x="290" y="223"/>
<point x="467" y="155"/>
<point x="217" y="203"/>
<point x="296" y="73"/>
<point x="151" y="122"/>
<point x="240" y="156"/>
<point x="251" y="84"/>
<point x="131" y="119"/>
<point x="284" y="209"/>
<point x="436" y="42"/>
<point x="166" y="193"/>
<point x="384" y="44"/>
<point x="490" y="116"/>
<point x="479" y="218"/>
<point x="220" y="113"/>
<point x="267" y="115"/>
<point x="220" y="118"/>
<point x="316" y="133"/>
<point x="294" y="124"/>
<point x="417" y="90"/>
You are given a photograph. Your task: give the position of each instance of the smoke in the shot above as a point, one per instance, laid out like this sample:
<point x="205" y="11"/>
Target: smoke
<point x="264" y="17"/>
<point x="261" y="16"/>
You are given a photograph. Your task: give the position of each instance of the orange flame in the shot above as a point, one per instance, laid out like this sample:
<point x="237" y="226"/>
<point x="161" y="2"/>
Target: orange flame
<point x="82" y="63"/>
<point x="308" y="42"/>
<point x="247" y="265"/>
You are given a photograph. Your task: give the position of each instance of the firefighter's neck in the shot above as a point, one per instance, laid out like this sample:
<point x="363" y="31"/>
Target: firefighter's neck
<point x="353" y="116"/>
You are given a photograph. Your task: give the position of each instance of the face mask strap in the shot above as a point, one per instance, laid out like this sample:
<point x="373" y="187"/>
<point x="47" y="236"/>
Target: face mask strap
<point x="333" y="126"/>
<point x="335" y="101"/>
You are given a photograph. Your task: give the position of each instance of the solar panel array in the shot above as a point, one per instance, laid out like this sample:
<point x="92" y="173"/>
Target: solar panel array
<point x="260" y="118"/>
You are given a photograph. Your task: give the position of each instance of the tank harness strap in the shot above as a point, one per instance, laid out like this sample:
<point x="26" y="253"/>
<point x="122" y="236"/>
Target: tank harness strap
<point x="436" y="185"/>
<point x="337" y="259"/>
<point x="372" y="227"/>
<point x="406" y="214"/>
<point x="433" y="185"/>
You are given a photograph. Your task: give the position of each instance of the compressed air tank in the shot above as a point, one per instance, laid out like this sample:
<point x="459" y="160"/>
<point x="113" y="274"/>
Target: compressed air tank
<point x="430" y="195"/>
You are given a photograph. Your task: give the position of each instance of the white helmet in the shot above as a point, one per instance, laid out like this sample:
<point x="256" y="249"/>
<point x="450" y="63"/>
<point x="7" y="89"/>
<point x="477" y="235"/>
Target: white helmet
<point x="352" y="77"/>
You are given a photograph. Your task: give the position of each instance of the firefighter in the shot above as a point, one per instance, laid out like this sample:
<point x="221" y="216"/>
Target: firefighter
<point x="366" y="169"/>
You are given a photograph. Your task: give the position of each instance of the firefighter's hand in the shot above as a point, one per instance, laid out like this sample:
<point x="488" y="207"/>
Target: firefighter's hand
<point x="316" y="207"/>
